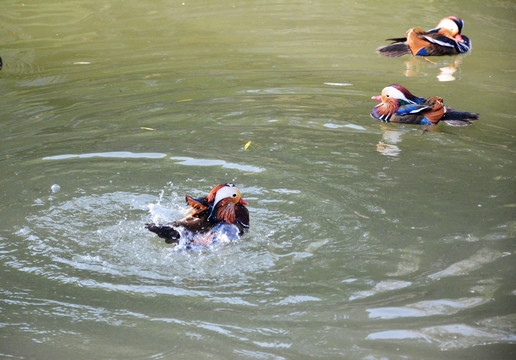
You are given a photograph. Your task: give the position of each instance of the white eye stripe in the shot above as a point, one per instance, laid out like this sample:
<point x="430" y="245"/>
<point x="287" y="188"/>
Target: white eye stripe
<point x="390" y="91"/>
<point x="449" y="24"/>
<point x="227" y="191"/>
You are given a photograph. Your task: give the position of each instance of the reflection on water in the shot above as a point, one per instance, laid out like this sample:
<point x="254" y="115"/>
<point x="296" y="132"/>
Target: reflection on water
<point x="426" y="308"/>
<point x="463" y="267"/>
<point x="390" y="137"/>
<point x="118" y="154"/>
<point x="224" y="164"/>
<point x="381" y="287"/>
<point x="181" y="160"/>
<point x="423" y="66"/>
<point x="448" y="337"/>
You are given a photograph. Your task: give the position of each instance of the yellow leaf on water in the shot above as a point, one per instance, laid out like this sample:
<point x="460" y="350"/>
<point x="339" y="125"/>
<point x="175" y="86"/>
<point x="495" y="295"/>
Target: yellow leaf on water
<point x="146" y="128"/>
<point x="184" y="100"/>
<point x="249" y="144"/>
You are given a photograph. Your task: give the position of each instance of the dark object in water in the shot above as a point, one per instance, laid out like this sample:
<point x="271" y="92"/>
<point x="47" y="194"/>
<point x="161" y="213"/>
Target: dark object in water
<point x="401" y="106"/>
<point x="445" y="39"/>
<point x="222" y="211"/>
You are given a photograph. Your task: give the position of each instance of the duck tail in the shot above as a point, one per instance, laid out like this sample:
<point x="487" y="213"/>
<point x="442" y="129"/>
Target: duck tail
<point x="459" y="118"/>
<point x="166" y="232"/>
<point x="454" y="115"/>
<point x="397" y="40"/>
<point x="395" y="49"/>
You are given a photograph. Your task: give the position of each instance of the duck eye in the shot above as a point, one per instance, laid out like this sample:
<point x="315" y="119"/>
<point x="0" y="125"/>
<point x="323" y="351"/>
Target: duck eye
<point x="234" y="195"/>
<point x="387" y="95"/>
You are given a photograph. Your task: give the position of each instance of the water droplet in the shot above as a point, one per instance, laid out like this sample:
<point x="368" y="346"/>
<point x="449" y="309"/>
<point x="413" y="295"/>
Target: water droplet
<point x="55" y="188"/>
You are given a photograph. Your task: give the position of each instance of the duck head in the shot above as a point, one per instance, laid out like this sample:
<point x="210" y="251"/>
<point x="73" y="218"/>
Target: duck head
<point x="394" y="96"/>
<point x="223" y="199"/>
<point x="451" y="26"/>
<point x="396" y="92"/>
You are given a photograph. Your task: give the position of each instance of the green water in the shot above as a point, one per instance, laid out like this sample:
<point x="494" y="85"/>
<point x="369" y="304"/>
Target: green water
<point x="367" y="241"/>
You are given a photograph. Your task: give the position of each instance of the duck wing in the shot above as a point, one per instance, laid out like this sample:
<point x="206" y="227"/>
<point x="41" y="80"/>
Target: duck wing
<point x="195" y="222"/>
<point x="443" y="44"/>
<point x="410" y="114"/>
<point x="167" y="232"/>
<point x="171" y="232"/>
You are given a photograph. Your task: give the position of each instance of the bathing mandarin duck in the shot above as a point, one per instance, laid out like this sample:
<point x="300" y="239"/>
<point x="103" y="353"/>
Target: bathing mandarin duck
<point x="221" y="212"/>
<point x="399" y="105"/>
<point x="444" y="39"/>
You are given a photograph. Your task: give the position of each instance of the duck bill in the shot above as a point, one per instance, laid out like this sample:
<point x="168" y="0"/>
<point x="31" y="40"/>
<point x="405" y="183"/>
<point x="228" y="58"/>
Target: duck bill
<point x="242" y="201"/>
<point x="377" y="98"/>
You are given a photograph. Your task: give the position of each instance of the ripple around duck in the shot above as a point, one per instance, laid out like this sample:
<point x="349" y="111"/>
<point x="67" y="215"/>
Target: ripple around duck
<point x="99" y="241"/>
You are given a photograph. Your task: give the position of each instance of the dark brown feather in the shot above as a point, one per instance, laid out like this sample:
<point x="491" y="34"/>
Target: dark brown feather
<point x="396" y="49"/>
<point x="166" y="232"/>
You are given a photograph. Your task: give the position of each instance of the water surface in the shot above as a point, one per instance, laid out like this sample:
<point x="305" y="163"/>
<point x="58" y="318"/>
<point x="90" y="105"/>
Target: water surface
<point x="367" y="241"/>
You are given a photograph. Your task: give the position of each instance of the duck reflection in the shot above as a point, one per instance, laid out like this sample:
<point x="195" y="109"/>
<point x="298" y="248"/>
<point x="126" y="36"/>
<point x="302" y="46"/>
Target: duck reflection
<point x="448" y="67"/>
<point x="390" y="137"/>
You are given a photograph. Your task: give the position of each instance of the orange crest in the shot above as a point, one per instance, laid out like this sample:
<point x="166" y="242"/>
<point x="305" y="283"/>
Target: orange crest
<point x="213" y="192"/>
<point x="195" y="206"/>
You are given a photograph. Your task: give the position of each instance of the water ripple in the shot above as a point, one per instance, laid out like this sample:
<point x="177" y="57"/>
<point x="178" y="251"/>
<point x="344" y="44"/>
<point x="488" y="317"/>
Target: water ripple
<point x="453" y="336"/>
<point x="381" y="287"/>
<point x="463" y="267"/>
<point x="112" y="154"/>
<point x="98" y="241"/>
<point x="427" y="308"/>
<point x="210" y="162"/>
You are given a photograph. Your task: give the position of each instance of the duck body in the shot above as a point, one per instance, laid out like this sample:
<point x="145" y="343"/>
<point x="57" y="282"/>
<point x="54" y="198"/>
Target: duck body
<point x="445" y="39"/>
<point x="401" y="106"/>
<point x="221" y="213"/>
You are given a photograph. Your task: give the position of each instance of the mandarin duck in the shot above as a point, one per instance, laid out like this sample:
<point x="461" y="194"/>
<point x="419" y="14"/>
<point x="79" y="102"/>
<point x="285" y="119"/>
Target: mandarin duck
<point x="444" y="39"/>
<point x="399" y="105"/>
<point x="221" y="212"/>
